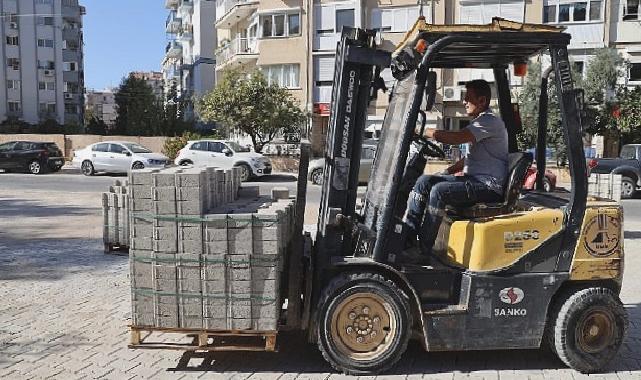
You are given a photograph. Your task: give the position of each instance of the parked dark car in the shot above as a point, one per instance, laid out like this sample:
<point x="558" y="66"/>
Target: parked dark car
<point x="32" y="157"/>
<point x="628" y="164"/>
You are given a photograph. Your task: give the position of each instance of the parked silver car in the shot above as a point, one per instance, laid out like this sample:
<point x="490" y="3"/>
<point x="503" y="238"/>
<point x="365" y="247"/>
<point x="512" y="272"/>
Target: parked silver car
<point x="368" y="151"/>
<point x="116" y="157"/>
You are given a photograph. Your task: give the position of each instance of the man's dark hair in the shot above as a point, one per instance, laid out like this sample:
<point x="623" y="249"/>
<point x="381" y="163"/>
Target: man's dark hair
<point x="481" y="88"/>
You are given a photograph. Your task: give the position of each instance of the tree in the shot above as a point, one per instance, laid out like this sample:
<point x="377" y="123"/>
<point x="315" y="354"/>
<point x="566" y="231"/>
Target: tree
<point x="628" y="114"/>
<point x="246" y="102"/>
<point x="139" y="111"/>
<point x="529" y="108"/>
<point x="174" y="122"/>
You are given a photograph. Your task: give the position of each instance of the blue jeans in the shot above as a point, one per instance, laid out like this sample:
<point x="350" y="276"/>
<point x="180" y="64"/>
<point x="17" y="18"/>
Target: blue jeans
<point x="436" y="192"/>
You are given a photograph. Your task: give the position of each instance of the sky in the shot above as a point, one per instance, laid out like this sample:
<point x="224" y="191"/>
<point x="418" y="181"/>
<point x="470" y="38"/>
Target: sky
<point x="122" y="36"/>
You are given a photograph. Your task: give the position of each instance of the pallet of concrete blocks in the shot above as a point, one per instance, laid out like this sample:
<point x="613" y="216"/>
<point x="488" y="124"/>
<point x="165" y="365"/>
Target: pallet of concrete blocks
<point x="605" y="186"/>
<point x="115" y="212"/>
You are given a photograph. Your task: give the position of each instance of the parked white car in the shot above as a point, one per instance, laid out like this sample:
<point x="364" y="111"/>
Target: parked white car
<point x="225" y="155"/>
<point x="116" y="157"/>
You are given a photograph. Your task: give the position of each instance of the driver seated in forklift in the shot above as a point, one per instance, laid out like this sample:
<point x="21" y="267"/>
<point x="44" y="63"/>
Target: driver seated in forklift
<point x="484" y="169"/>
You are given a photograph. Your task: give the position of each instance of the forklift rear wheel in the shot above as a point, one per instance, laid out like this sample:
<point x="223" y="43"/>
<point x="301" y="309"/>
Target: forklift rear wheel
<point x="589" y="329"/>
<point x="364" y="325"/>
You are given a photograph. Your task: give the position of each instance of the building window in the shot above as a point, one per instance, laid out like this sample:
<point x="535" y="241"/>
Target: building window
<point x="49" y="86"/>
<point x="44" y="20"/>
<point x="48" y="108"/>
<point x="578" y="11"/>
<point x="71" y="66"/>
<point x="630" y="10"/>
<point x="13" y="84"/>
<point x="293" y="22"/>
<point x="14" y="63"/>
<point x="13" y="40"/>
<point x="280" y="25"/>
<point x="635" y="72"/>
<point x="46" y="65"/>
<point x="344" y="17"/>
<point x="287" y="76"/>
<point x="48" y="2"/>
<point x="399" y="19"/>
<point x="14" y="106"/>
<point x="45" y="43"/>
<point x="71" y="109"/>
<point x="578" y="67"/>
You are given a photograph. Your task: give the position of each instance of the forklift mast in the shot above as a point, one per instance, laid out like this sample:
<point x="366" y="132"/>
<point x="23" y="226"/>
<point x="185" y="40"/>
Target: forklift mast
<point x="357" y="67"/>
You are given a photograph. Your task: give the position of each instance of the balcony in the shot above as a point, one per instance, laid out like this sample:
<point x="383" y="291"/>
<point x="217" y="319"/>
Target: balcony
<point x="229" y="12"/>
<point x="187" y="33"/>
<point x="173" y="24"/>
<point x="171" y="4"/>
<point x="239" y="50"/>
<point x="186" y="6"/>
<point x="174" y="50"/>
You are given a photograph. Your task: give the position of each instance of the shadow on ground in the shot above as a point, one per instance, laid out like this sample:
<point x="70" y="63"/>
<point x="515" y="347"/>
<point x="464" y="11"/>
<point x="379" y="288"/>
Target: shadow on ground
<point x="276" y="178"/>
<point x="17" y="208"/>
<point x="53" y="259"/>
<point x="632" y="234"/>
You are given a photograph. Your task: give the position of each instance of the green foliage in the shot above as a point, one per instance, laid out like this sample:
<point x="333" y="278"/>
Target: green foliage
<point x="602" y="74"/>
<point x="246" y="102"/>
<point x="174" y="144"/>
<point x="630" y="120"/>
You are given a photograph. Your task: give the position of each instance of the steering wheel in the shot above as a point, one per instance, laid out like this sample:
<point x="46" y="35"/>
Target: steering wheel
<point x="429" y="148"/>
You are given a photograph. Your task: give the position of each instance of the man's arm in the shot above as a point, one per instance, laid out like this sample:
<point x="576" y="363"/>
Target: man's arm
<point x="456" y="167"/>
<point x="451" y="138"/>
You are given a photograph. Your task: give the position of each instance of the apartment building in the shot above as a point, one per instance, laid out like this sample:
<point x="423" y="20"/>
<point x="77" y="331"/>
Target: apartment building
<point x="42" y="56"/>
<point x="271" y="36"/>
<point x="189" y="63"/>
<point x="154" y="79"/>
<point x="102" y="105"/>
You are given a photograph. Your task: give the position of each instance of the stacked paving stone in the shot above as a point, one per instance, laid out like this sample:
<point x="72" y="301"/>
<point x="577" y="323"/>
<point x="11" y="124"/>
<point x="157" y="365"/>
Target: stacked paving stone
<point x="204" y="254"/>
<point x="605" y="186"/>
<point x="115" y="213"/>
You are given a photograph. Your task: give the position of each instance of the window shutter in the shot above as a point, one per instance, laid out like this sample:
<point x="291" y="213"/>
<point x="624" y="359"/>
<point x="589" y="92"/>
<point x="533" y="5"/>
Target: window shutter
<point x="387" y="19"/>
<point x="512" y="10"/>
<point x="324" y="69"/>
<point x="471" y="13"/>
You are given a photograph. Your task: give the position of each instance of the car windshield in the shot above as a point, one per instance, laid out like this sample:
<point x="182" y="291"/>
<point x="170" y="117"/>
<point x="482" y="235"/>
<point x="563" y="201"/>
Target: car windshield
<point x="136" y="148"/>
<point x="236" y="147"/>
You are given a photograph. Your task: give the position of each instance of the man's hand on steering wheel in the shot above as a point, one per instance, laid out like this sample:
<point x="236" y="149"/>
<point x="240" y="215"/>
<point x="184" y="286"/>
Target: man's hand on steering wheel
<point x="428" y="147"/>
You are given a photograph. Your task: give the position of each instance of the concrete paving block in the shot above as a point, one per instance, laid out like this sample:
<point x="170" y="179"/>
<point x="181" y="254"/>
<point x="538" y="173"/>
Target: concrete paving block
<point x="165" y="233"/>
<point x="265" y="288"/>
<point x="215" y="227"/>
<point x="215" y="323"/>
<point x="141" y="274"/>
<point x="280" y="193"/>
<point x="142" y="229"/>
<point x="165" y="177"/>
<point x="193" y="177"/>
<point x="266" y="247"/>
<point x="240" y="288"/>
<point x="140" y="191"/>
<point x="164" y="193"/>
<point x="165" y="272"/>
<point x="265" y="309"/>
<point x="194" y="247"/>
<point x="190" y="193"/>
<point x="143" y="319"/>
<point x="215" y="307"/>
<point x="241" y="309"/>
<point x="165" y="221"/>
<point x="265" y="325"/>
<point x="141" y="205"/>
<point x="164" y="208"/>
<point x="189" y="285"/>
<point x="240" y="234"/>
<point x="196" y="207"/>
<point x="264" y="272"/>
<point x="240" y="247"/>
<point x="165" y="286"/>
<point x="167" y="321"/>
<point x="140" y="253"/>
<point x="165" y="246"/>
<point x="265" y="232"/>
<point x="141" y="177"/>
<point x="241" y="324"/>
<point x="190" y="306"/>
<point x="190" y="231"/>
<point x="215" y="248"/>
<point x="141" y="243"/>
<point x="189" y="322"/>
<point x="240" y="272"/>
<point x="189" y="272"/>
<point x="214" y="287"/>
<point x="238" y="220"/>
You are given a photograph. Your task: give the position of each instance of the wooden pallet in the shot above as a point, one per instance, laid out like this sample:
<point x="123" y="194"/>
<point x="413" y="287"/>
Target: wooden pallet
<point x="116" y="249"/>
<point x="205" y="340"/>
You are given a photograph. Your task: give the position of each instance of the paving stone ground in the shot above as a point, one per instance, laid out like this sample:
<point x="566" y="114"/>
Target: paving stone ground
<point x="65" y="307"/>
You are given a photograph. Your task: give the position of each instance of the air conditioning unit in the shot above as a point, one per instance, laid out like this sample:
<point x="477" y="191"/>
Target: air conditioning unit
<point x="49" y="73"/>
<point x="69" y="96"/>
<point x="452" y="94"/>
<point x="13" y="25"/>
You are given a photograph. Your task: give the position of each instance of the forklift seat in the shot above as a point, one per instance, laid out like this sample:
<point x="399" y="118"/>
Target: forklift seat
<point x="518" y="162"/>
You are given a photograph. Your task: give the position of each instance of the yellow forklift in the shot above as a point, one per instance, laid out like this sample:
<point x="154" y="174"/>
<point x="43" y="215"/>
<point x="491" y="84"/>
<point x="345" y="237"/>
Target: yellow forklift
<point x="538" y="269"/>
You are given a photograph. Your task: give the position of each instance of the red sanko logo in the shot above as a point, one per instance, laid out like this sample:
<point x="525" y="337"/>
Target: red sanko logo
<point x="511" y="296"/>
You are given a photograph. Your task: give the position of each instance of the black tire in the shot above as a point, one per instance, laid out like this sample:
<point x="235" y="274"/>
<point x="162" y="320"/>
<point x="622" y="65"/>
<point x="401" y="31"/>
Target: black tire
<point x="35" y="167"/>
<point x="137" y="165"/>
<point x="245" y="172"/>
<point x="186" y="162"/>
<point x="87" y="168"/>
<point x="317" y="176"/>
<point x="628" y="187"/>
<point x="381" y="327"/>
<point x="547" y="186"/>
<point x="589" y="328"/>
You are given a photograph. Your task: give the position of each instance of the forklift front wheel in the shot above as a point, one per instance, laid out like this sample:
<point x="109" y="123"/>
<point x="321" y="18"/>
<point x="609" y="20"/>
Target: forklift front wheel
<point x="589" y="329"/>
<point x="365" y="323"/>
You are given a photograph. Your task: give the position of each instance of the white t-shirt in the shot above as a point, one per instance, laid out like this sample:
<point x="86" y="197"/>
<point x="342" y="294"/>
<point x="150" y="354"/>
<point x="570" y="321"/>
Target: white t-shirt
<point x="487" y="160"/>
